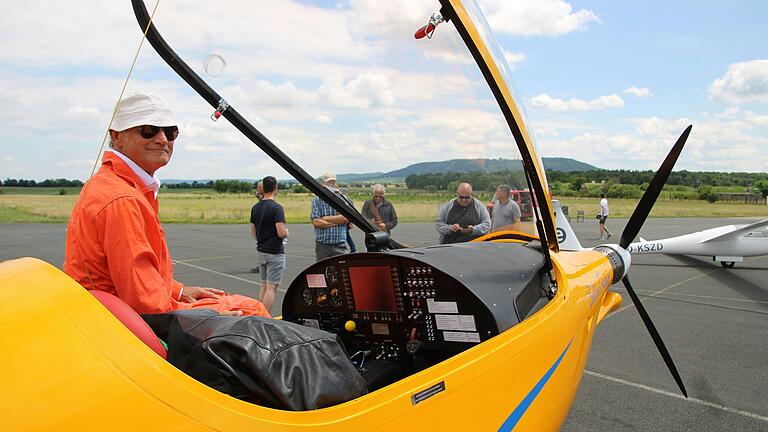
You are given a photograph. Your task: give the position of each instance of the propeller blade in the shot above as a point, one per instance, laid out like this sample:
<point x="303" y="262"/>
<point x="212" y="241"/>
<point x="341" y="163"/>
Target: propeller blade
<point x="652" y="193"/>
<point x="655" y="335"/>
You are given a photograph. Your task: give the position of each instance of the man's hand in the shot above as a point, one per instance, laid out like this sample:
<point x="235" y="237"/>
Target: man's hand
<point x="467" y="230"/>
<point x="455" y="227"/>
<point x="232" y="313"/>
<point x="383" y="226"/>
<point x="335" y="219"/>
<point x="192" y="293"/>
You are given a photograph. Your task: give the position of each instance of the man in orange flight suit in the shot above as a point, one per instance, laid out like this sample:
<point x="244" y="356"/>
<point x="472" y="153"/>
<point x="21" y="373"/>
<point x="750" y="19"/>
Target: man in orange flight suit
<point x="115" y="242"/>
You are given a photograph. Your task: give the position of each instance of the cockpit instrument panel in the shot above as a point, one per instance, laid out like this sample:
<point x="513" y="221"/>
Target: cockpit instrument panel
<point x="432" y="302"/>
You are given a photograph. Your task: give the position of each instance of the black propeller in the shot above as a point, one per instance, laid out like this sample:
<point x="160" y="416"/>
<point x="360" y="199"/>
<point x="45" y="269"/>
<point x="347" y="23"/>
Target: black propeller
<point x="655" y="335"/>
<point x="652" y="193"/>
<point x="630" y="232"/>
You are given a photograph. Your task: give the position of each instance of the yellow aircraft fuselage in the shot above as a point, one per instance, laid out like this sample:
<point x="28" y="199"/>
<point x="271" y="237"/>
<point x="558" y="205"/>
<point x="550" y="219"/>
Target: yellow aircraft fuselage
<point x="68" y="364"/>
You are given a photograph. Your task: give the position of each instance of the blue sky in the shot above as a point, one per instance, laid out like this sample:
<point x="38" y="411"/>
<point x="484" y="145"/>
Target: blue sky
<point x="342" y="86"/>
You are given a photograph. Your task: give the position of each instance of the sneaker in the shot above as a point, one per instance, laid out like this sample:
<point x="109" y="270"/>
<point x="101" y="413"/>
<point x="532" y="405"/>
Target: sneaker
<point x="255" y="270"/>
<point x="609" y="236"/>
<point x="601" y="238"/>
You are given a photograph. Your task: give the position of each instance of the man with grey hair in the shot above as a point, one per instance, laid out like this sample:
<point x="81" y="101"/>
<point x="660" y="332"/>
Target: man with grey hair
<point x="330" y="226"/>
<point x="505" y="213"/>
<point x="463" y="218"/>
<point x="115" y="242"/>
<point x="379" y="211"/>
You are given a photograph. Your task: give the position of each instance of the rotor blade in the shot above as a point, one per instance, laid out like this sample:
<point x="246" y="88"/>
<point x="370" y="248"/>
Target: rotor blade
<point x="654" y="189"/>
<point x="655" y="336"/>
<point x="254" y="135"/>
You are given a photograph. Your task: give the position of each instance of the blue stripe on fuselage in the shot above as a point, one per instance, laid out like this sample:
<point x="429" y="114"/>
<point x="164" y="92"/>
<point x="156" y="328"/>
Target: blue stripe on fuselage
<point x="517" y="414"/>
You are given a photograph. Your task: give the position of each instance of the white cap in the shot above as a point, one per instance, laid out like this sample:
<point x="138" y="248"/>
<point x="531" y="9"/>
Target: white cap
<point x="140" y="109"/>
<point x="327" y="176"/>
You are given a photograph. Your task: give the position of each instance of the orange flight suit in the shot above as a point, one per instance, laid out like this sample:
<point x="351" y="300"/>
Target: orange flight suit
<point x="115" y="244"/>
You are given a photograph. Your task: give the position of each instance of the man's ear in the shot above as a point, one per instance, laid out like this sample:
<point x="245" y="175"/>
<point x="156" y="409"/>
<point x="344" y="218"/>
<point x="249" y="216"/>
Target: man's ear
<point x="114" y="137"/>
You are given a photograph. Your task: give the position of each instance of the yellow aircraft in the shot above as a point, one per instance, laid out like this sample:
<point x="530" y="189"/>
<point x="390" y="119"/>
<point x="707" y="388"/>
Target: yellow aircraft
<point x="475" y="352"/>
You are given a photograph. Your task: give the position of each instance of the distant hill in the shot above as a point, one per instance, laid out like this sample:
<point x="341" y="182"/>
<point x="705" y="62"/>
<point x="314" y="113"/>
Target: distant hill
<point x="453" y="165"/>
<point x="465" y="165"/>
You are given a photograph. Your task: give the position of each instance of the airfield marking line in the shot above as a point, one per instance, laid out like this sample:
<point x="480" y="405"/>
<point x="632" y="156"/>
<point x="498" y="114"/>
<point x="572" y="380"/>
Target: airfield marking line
<point x="199" y="246"/>
<point x="662" y="290"/>
<point x="244" y="254"/>
<point x="212" y="258"/>
<point x="300" y="256"/>
<point x="705" y="296"/>
<point x="698" y="303"/>
<point x="678" y="396"/>
<point x="223" y="274"/>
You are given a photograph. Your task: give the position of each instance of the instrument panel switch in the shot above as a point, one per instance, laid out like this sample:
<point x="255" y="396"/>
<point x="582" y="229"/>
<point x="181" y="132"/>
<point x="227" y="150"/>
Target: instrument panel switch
<point x="350" y="326"/>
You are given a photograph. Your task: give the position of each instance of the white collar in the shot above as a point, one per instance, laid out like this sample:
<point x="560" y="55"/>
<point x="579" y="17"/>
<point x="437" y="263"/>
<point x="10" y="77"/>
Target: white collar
<point x="152" y="182"/>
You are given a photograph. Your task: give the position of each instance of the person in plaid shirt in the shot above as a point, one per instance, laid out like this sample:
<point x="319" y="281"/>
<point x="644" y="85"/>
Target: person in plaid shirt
<point x="330" y="226"/>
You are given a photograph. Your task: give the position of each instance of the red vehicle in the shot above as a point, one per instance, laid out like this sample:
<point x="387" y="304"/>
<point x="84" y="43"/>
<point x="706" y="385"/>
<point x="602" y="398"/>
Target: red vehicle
<point x="523" y="199"/>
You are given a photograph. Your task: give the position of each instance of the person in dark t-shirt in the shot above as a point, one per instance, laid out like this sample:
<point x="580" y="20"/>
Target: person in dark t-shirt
<point x="269" y="230"/>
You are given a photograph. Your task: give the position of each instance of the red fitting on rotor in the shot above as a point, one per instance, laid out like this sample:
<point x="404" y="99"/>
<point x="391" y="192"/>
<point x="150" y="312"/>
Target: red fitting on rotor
<point x="223" y="105"/>
<point x="427" y="29"/>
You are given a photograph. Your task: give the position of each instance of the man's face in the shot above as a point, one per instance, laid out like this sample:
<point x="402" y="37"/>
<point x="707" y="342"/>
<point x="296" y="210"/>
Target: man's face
<point x="148" y="153"/>
<point x="464" y="196"/>
<point x="500" y="194"/>
<point x="331" y="183"/>
<point x="378" y="196"/>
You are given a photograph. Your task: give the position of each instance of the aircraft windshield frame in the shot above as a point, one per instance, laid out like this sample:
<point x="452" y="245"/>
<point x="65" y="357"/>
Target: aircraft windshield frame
<point x="471" y="24"/>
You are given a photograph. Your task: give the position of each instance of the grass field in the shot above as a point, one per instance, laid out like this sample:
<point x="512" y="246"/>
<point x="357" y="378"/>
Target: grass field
<point x="205" y="206"/>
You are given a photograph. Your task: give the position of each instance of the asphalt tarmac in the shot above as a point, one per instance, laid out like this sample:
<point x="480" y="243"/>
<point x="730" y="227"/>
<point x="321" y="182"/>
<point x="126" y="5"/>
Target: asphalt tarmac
<point x="713" y="320"/>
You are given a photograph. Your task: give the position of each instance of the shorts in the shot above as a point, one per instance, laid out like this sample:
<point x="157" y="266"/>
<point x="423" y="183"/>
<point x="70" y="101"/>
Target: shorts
<point x="271" y="267"/>
<point x="601" y="219"/>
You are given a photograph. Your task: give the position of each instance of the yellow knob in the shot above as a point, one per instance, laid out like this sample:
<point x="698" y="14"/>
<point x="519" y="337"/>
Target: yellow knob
<point x="350" y="326"/>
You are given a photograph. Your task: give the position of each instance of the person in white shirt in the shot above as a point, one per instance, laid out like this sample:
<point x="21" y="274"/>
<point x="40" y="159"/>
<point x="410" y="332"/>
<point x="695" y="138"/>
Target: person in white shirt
<point x="602" y="216"/>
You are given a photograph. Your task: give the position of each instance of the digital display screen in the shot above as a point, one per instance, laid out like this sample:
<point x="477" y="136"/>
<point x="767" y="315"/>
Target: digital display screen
<point x="372" y="289"/>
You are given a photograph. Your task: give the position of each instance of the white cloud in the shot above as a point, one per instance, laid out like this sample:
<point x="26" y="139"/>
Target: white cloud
<point x="545" y="101"/>
<point x="743" y="82"/>
<point x="450" y="57"/>
<point x="536" y="17"/>
<point x="728" y="141"/>
<point x="639" y="92"/>
<point x="364" y="91"/>
<point x="349" y="78"/>
<point x="513" y="58"/>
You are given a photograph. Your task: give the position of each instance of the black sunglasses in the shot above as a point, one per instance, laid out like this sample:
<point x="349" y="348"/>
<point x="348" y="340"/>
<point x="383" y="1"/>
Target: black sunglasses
<point x="464" y="197"/>
<point x="149" y="131"/>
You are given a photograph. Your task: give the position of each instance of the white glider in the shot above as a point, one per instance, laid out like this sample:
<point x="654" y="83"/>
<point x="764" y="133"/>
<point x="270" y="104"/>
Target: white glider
<point x="728" y="244"/>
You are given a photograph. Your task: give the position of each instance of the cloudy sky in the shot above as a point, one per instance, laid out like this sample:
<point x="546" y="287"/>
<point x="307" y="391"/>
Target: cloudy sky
<point x="343" y="86"/>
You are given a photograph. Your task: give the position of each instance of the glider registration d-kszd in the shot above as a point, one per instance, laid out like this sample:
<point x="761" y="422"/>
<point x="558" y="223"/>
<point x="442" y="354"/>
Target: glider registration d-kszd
<point x="493" y="334"/>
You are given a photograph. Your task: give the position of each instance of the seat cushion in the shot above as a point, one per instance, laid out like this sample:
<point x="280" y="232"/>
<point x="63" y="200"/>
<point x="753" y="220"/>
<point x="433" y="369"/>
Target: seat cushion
<point x="132" y="320"/>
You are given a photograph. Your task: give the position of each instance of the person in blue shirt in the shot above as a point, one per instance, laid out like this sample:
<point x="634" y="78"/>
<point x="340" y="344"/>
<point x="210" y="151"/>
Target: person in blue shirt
<point x="269" y="230"/>
<point x="330" y="226"/>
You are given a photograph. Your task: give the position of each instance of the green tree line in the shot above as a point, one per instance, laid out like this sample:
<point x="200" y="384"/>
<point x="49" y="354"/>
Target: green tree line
<point x="487" y="181"/>
<point x="480" y="181"/>
<point x="45" y="183"/>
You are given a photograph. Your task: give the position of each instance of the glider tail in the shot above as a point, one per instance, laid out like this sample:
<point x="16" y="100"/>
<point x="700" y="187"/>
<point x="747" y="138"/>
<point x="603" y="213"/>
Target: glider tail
<point x="566" y="238"/>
